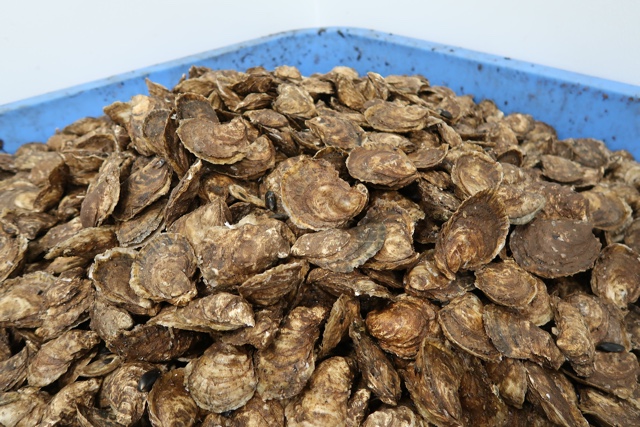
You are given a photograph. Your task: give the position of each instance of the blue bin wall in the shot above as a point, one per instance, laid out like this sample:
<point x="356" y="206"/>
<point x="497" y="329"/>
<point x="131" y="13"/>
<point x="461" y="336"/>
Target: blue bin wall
<point x="576" y="105"/>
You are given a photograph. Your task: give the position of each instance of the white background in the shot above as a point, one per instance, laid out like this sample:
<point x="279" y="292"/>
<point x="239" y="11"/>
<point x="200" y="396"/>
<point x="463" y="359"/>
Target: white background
<point x="50" y="45"/>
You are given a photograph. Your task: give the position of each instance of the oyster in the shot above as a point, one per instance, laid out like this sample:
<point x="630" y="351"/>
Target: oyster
<point x="324" y="402"/>
<point x="120" y="392"/>
<point x="377" y="370"/>
<point x="507" y="284"/>
<point x="163" y="270"/>
<point x="341" y="250"/>
<point x="315" y="197"/>
<point x="520" y="339"/>
<point x="461" y="322"/>
<point x="54" y="357"/>
<point x="146" y="184"/>
<point x="433" y="383"/>
<point x="222" y="379"/>
<point x="473" y="172"/>
<point x="395" y="117"/>
<point x="217" y="143"/>
<point x="473" y="235"/>
<point x="616" y="275"/>
<point x="110" y="273"/>
<point x="218" y="312"/>
<point x="554" y="247"/>
<point x="286" y="365"/>
<point x="381" y="165"/>
<point x="344" y="311"/>
<point x="274" y="284"/>
<point x="401" y="326"/>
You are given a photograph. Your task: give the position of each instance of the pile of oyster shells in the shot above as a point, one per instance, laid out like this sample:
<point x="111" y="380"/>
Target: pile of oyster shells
<point x="266" y="249"/>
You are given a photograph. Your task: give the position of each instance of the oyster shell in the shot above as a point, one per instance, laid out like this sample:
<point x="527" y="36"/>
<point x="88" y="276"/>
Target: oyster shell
<point x="381" y="165"/>
<point x="222" y="379"/>
<point x="461" y="322"/>
<point x="324" y="401"/>
<point x="518" y="338"/>
<point x="554" y="247"/>
<point x="315" y="197"/>
<point x="473" y="235"/>
<point x="163" y="270"/>
<point x="377" y="370"/>
<point x="616" y="275"/>
<point x="286" y="365"/>
<point x="341" y="250"/>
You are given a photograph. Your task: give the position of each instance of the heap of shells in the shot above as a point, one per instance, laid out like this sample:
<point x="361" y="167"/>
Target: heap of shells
<point x="266" y="249"/>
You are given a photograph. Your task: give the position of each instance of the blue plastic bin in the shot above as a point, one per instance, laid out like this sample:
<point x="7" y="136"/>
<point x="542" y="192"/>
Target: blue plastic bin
<point x="576" y="105"/>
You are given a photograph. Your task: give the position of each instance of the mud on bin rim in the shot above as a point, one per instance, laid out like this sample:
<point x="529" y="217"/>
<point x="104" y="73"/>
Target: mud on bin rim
<point x="575" y="105"/>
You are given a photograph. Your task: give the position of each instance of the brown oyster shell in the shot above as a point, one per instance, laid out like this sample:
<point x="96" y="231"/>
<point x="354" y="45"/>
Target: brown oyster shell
<point x="315" y="197"/>
<point x="262" y="333"/>
<point x="294" y="101"/>
<point x="555" y="394"/>
<point x="560" y="169"/>
<point x="554" y="247"/>
<point x="12" y="252"/>
<point x="103" y="193"/>
<point x="381" y="165"/>
<point x="22" y="300"/>
<point x="110" y="273"/>
<point x="67" y="303"/>
<point x="62" y="408"/>
<point x="461" y="322"/>
<point x="163" y="270"/>
<point x="474" y="171"/>
<point x="473" y="235"/>
<point x="269" y="287"/>
<point x="341" y="250"/>
<point x="259" y="413"/>
<point x="120" y="392"/>
<point x="137" y="230"/>
<point x="426" y="280"/>
<point x="606" y="210"/>
<point x="354" y="284"/>
<point x="222" y="379"/>
<point x="510" y="376"/>
<point x="182" y="195"/>
<point x="521" y="204"/>
<point x="144" y="186"/>
<point x="506" y="283"/>
<point x="324" y="401"/>
<point x="614" y="373"/>
<point x="433" y="383"/>
<point x="218" y="312"/>
<point x="616" y="275"/>
<point x="344" y="311"/>
<point x="518" y="338"/>
<point x="152" y="343"/>
<point x="286" y="365"/>
<point x="229" y="255"/>
<point x="54" y="357"/>
<point x="401" y="326"/>
<point x="377" y="370"/>
<point x="336" y="132"/>
<point x="217" y="143"/>
<point x="608" y="410"/>
<point x="574" y="338"/>
<point x="395" y="117"/>
<point x="400" y="416"/>
<point x="86" y="243"/>
<point x="480" y="404"/>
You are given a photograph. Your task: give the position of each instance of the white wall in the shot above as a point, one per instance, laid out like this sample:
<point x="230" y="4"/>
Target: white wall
<point x="50" y="45"/>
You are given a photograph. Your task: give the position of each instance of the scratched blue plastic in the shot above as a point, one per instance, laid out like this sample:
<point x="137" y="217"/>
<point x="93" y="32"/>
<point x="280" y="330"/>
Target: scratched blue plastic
<point x="576" y="105"/>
